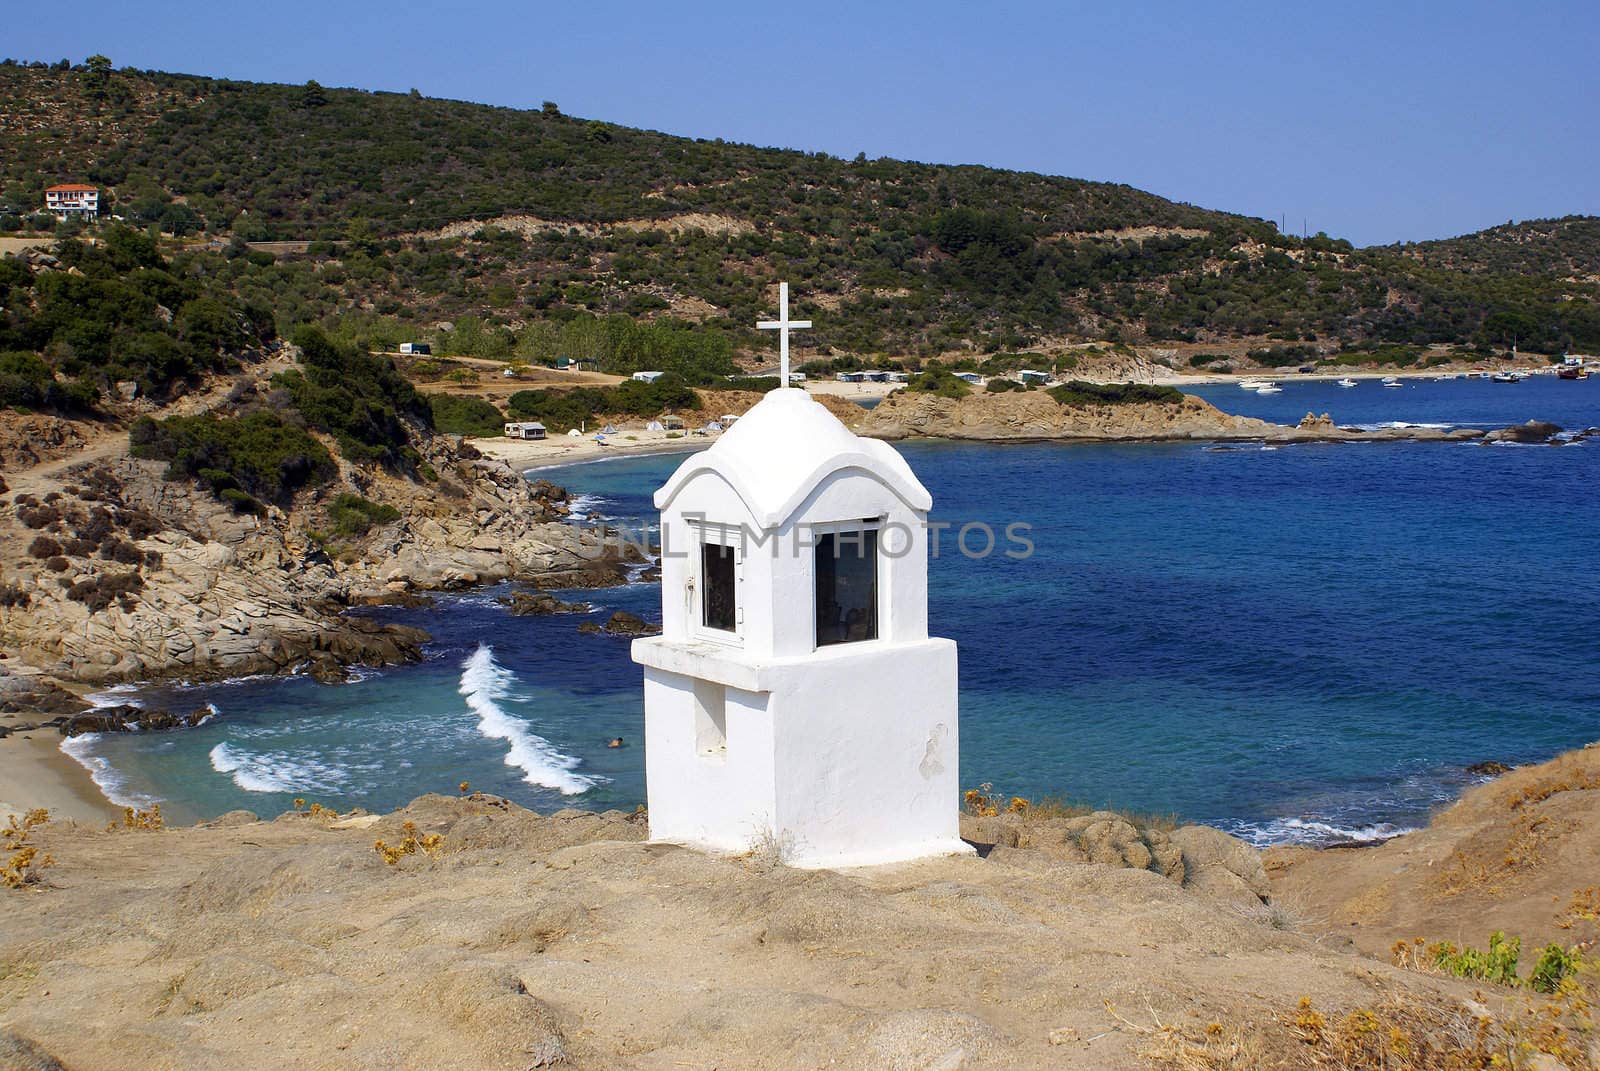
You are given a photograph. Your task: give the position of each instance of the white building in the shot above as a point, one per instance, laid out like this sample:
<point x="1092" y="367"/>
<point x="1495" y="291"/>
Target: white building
<point x="647" y="377"/>
<point x="794" y="695"/>
<point x="72" y="200"/>
<point x="525" y="429"/>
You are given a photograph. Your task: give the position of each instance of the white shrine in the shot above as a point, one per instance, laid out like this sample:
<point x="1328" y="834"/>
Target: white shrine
<point x="794" y="696"/>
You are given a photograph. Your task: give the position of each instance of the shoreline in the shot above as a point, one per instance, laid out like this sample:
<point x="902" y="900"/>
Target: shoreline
<point x="36" y="772"/>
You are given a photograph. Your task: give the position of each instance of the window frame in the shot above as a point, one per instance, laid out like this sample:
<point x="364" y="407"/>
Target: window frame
<point x="880" y="576"/>
<point x="718" y="535"/>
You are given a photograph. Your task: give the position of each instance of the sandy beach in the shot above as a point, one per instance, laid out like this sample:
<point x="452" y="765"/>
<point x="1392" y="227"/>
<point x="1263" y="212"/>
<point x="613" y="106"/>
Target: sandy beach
<point x="35" y="772"/>
<point x="559" y="450"/>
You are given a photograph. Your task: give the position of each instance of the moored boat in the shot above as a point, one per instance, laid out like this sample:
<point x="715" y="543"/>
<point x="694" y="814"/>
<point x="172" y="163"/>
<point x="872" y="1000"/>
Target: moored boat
<point x="1391" y="381"/>
<point x="1347" y="382"/>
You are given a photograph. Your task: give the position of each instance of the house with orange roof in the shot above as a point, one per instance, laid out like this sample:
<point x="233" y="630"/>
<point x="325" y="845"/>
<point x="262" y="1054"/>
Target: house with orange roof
<point x="72" y="199"/>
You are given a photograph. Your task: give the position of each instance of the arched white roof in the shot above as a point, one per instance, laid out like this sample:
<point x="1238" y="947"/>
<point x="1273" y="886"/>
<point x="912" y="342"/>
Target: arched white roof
<point x="778" y="452"/>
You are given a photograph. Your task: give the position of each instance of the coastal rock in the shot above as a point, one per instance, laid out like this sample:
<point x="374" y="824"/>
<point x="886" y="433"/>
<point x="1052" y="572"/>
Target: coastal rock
<point x="514" y="1028"/>
<point x="1488" y="769"/>
<point x="1221" y="867"/>
<point x="126" y="718"/>
<point x="523" y="603"/>
<point x="622" y="623"/>
<point x="34" y="694"/>
<point x="1534" y="431"/>
<point x="1311" y="422"/>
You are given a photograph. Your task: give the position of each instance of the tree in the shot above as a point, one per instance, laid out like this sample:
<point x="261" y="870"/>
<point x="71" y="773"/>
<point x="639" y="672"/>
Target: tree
<point x="549" y="108"/>
<point x="313" y="96"/>
<point x="98" y="65"/>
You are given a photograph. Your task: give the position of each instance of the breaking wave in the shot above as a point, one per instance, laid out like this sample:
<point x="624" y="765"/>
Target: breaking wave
<point x="1309" y="831"/>
<point x="484" y="683"/>
<point x="274" y="771"/>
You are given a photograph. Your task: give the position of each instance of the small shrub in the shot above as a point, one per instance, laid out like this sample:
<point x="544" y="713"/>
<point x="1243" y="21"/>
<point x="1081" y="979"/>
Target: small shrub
<point x="58" y="564"/>
<point x="22" y="865"/>
<point x="430" y="844"/>
<point x="940" y="383"/>
<point x="37" y="517"/>
<point x="99" y="592"/>
<point x="43" y="547"/>
<point x="1498" y="964"/>
<point x="133" y="818"/>
<point x="11" y="595"/>
<point x="78" y="548"/>
<point x="354" y="516"/>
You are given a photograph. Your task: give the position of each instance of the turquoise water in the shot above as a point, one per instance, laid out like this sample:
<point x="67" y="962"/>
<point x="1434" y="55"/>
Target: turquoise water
<point x="1306" y="643"/>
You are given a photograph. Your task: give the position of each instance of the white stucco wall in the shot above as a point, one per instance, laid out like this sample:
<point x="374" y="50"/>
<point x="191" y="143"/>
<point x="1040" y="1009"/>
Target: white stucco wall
<point x="847" y="755"/>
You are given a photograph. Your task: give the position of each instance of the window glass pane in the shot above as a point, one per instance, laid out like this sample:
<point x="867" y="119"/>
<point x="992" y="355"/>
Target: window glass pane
<point x="716" y="573"/>
<point x="847" y="587"/>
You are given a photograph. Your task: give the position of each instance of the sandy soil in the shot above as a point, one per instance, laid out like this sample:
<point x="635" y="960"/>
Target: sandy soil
<point x="17" y="245"/>
<point x="1514" y="854"/>
<point x="35" y="772"/>
<point x="529" y="941"/>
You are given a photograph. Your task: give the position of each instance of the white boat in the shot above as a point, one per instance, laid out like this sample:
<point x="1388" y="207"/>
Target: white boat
<point x="1269" y="388"/>
<point x="1254" y="384"/>
<point x="1391" y="381"/>
<point x="1347" y="383"/>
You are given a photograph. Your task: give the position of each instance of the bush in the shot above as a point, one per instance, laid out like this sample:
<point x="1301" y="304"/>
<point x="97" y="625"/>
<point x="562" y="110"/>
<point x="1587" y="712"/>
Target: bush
<point x="257" y="455"/>
<point x="465" y="416"/>
<point x="12" y="594"/>
<point x="353" y="515"/>
<point x="1003" y="386"/>
<point x="560" y="410"/>
<point x="1079" y="393"/>
<point x="58" y="564"/>
<point x="99" y="592"/>
<point x="358" y="398"/>
<point x="43" y="547"/>
<point x="940" y="382"/>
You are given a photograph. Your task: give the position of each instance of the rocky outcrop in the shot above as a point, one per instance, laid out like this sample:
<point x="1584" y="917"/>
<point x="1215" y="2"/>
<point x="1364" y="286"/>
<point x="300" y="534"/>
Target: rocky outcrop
<point x="1534" y="431"/>
<point x="156" y="578"/>
<point x="1033" y="415"/>
<point x="524" y="603"/>
<point x="621" y="623"/>
<point x="125" y="718"/>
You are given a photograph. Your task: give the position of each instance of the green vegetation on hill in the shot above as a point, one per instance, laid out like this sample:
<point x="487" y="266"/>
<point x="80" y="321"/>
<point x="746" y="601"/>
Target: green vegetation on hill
<point x="358" y="398"/>
<point x="1079" y="393"/>
<point x="465" y="416"/>
<point x="905" y="258"/>
<point x="561" y="410"/>
<point x="242" y="460"/>
<point x="118" y="310"/>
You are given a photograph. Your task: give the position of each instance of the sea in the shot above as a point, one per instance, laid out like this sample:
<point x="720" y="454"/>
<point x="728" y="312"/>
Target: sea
<point x="1299" y="643"/>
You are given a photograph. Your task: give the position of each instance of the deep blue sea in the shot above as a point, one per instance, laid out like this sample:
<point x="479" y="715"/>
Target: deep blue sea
<point x="1306" y="643"/>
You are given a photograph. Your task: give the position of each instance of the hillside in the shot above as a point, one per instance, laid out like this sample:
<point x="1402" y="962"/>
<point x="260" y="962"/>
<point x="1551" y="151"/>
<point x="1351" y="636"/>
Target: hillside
<point x="1567" y="247"/>
<point x="520" y="228"/>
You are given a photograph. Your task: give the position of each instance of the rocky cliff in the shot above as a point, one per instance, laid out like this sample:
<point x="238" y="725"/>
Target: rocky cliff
<point x="112" y="573"/>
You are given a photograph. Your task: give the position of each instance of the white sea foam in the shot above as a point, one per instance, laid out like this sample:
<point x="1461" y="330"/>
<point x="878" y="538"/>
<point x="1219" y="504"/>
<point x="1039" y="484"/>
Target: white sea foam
<point x="1312" y="831"/>
<point x="581" y="507"/>
<point x="111" y="783"/>
<point x="274" y="771"/>
<point x="484" y="683"/>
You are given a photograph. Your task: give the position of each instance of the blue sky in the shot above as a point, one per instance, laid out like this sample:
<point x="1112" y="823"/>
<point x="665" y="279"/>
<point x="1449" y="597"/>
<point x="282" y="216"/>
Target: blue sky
<point x="1377" y="122"/>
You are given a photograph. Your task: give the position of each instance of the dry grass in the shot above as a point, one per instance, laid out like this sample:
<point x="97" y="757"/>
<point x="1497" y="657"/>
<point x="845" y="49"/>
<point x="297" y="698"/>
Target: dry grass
<point x="985" y="802"/>
<point x="1400" y="1034"/>
<point x="1487" y="868"/>
<point x="1558" y="782"/>
<point x="21" y="867"/>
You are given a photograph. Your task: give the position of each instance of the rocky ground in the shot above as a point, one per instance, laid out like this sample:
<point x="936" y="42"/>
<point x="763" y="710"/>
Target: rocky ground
<point x="514" y="941"/>
<point x="1519" y="854"/>
<point x="108" y="572"/>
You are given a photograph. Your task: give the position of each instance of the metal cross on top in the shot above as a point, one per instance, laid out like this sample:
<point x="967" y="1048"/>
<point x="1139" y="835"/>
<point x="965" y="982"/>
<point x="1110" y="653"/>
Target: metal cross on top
<point x="783" y="325"/>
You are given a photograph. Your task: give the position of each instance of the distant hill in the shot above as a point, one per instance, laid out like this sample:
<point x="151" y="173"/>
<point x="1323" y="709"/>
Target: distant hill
<point x="1569" y="246"/>
<point x="518" y="224"/>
